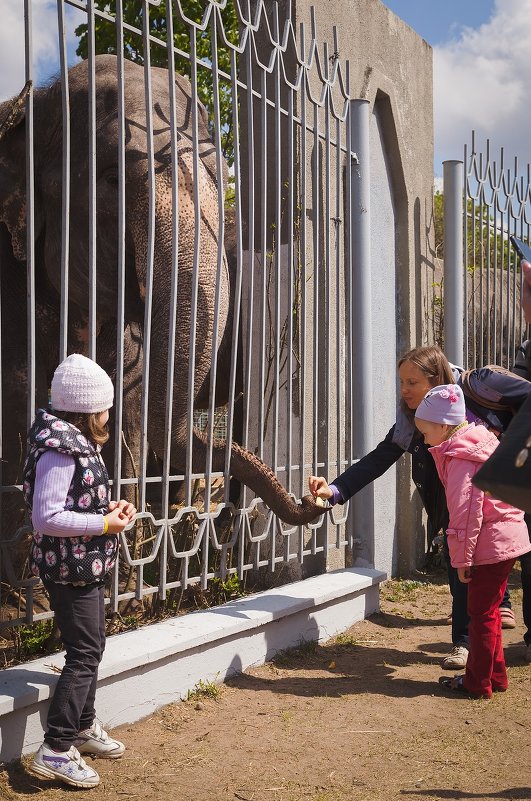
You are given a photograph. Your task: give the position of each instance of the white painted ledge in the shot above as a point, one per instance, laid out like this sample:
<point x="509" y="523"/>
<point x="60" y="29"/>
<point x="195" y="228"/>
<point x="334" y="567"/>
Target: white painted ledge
<point x="144" y="669"/>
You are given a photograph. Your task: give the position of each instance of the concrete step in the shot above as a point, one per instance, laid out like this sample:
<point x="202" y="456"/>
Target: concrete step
<point x="155" y="665"/>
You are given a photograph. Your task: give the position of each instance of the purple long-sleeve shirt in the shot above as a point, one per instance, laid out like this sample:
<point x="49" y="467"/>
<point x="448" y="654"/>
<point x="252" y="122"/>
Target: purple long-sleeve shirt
<point x="53" y="477"/>
<point x="336" y="495"/>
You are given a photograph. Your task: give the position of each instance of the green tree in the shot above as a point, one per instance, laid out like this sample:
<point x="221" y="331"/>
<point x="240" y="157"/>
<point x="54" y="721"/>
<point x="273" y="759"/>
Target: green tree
<point x="485" y="244"/>
<point x="105" y="42"/>
<point x="438" y="224"/>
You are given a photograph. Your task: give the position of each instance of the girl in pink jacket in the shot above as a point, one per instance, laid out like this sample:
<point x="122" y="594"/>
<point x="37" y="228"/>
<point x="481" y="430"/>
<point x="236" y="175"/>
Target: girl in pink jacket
<point x="485" y="536"/>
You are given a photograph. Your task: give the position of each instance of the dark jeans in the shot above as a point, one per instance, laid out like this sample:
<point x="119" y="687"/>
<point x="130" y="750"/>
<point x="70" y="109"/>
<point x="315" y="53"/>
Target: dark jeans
<point x="525" y="562"/>
<point x="459" y="592"/>
<point x="80" y="616"/>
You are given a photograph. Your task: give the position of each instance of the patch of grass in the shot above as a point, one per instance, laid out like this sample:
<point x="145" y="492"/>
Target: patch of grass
<point x="34" y="639"/>
<point x="401" y="590"/>
<point x="223" y="591"/>
<point x="305" y="648"/>
<point x="350" y="640"/>
<point x="346" y="639"/>
<point x="204" y="689"/>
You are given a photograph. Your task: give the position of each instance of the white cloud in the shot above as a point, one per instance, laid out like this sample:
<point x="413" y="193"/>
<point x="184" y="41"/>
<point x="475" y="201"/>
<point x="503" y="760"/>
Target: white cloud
<point x="482" y="83"/>
<point x="45" y="43"/>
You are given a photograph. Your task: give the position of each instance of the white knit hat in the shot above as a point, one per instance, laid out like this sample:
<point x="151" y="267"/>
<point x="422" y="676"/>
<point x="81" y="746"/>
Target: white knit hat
<point x="80" y="385"/>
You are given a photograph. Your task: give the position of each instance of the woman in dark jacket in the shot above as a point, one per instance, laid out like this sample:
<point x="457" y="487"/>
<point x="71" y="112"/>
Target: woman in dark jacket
<point x="419" y="370"/>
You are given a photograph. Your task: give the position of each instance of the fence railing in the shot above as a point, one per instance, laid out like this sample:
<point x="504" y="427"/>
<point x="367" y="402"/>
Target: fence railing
<point x="178" y="206"/>
<point x="497" y="193"/>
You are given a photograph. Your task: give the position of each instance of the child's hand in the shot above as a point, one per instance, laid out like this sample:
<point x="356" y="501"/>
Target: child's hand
<point x="465" y="574"/>
<point x="319" y="487"/>
<point x="119" y="516"/>
<point x="125" y="507"/>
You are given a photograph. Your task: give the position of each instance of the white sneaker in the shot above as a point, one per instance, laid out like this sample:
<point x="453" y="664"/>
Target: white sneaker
<point x="508" y="620"/>
<point x="456" y="659"/>
<point x="96" y="742"/>
<point x="68" y="766"/>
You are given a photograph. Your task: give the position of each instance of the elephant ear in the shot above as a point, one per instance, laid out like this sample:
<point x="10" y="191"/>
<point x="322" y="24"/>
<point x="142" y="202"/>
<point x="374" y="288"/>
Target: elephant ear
<point x="13" y="174"/>
<point x="207" y="151"/>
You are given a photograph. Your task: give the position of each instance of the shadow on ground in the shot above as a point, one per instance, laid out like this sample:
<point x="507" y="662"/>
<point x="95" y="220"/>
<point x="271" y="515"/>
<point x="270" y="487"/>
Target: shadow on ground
<point x="356" y="669"/>
<point x="23" y="782"/>
<point x="512" y="794"/>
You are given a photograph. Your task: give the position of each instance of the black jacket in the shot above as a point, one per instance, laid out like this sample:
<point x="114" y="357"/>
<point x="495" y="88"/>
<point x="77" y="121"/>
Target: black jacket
<point x="423" y="472"/>
<point x="509" y="389"/>
<point x="522" y="363"/>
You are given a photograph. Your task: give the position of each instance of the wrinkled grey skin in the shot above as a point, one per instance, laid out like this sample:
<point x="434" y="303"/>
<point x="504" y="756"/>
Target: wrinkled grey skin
<point x="15" y="384"/>
<point x="48" y="182"/>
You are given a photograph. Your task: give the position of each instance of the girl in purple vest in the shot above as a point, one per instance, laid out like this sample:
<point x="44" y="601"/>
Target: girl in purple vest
<point x="74" y="546"/>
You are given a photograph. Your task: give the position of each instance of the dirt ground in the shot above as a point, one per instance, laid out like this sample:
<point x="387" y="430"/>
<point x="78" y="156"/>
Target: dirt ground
<point x="360" y="718"/>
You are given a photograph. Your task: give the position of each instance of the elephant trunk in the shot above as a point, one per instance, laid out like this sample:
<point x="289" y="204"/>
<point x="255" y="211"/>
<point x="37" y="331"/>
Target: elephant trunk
<point x="256" y="475"/>
<point x="247" y="468"/>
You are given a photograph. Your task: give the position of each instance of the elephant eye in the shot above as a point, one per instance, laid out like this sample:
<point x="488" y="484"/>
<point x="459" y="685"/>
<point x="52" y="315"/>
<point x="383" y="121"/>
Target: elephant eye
<point x="111" y="177"/>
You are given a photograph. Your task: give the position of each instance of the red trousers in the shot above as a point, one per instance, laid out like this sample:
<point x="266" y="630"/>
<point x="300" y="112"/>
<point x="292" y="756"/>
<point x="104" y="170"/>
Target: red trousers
<point x="485" y="668"/>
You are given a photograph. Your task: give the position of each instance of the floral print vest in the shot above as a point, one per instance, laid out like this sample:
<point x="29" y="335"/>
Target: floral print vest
<point x="80" y="560"/>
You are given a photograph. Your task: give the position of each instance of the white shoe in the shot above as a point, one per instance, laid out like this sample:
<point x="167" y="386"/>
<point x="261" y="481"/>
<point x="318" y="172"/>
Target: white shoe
<point x="96" y="742"/>
<point x="456" y="659"/>
<point x="508" y="620"/>
<point x="68" y="766"/>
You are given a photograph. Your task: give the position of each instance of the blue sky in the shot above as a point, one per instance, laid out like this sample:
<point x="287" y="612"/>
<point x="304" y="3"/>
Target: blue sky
<point x="482" y="73"/>
<point x="440" y="20"/>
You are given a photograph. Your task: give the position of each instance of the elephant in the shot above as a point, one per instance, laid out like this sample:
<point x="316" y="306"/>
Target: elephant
<point x="199" y="226"/>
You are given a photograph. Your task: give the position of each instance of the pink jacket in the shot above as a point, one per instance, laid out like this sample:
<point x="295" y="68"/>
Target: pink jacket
<point x="482" y="530"/>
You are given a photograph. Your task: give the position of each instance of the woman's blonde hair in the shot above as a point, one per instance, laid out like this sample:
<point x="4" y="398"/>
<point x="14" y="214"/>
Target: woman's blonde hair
<point x="88" y="424"/>
<point x="432" y="362"/>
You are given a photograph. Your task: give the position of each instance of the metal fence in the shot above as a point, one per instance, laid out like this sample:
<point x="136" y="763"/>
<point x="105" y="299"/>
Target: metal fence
<point x="496" y="203"/>
<point x="194" y="236"/>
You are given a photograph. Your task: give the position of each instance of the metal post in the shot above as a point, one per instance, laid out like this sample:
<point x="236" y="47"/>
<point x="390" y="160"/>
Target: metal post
<point x="361" y="267"/>
<point x="454" y="283"/>
<point x="30" y="211"/>
<point x="361" y="317"/>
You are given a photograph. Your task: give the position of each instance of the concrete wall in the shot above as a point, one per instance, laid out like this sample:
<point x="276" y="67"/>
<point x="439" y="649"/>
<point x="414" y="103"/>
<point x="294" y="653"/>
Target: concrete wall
<point x="384" y="336"/>
<point x="391" y="66"/>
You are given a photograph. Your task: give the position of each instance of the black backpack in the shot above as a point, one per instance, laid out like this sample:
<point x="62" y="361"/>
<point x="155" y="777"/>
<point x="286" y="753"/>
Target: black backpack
<point x="494" y="394"/>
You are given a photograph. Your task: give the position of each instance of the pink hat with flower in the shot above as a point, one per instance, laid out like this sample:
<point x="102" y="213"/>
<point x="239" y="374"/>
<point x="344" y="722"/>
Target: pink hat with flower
<point x="443" y="404"/>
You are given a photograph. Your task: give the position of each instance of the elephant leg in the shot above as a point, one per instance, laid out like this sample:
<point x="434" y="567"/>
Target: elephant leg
<point x="15" y="388"/>
<point x="130" y="438"/>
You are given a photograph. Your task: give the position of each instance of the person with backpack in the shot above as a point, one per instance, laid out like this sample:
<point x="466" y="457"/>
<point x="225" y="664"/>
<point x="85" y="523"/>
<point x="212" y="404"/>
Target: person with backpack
<point x="522" y="368"/>
<point x="419" y="370"/>
<point x="526" y="289"/>
<point x="522" y="362"/>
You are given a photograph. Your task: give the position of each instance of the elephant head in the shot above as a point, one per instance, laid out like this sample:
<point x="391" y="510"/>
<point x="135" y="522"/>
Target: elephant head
<point x="204" y="311"/>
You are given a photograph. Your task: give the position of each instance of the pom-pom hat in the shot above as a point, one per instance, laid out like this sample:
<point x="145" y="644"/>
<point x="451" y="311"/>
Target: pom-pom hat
<point x="443" y="404"/>
<point x="80" y="385"/>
